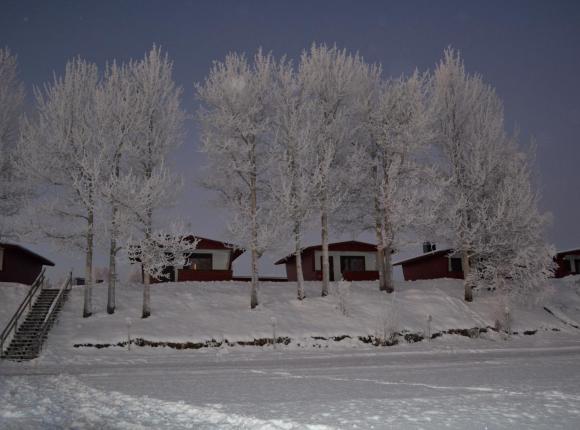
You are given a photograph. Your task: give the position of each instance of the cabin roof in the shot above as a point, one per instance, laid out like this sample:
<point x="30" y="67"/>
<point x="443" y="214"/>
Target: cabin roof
<point x="425" y="256"/>
<point x="349" y="245"/>
<point x="205" y="243"/>
<point x="44" y="261"/>
<point x="568" y="251"/>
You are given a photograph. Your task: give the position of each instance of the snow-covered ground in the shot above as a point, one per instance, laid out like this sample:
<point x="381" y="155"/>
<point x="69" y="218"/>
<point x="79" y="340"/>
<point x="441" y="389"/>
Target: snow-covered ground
<point x="494" y="381"/>
<point x="521" y="388"/>
<point x="200" y="312"/>
<point x="11" y="295"/>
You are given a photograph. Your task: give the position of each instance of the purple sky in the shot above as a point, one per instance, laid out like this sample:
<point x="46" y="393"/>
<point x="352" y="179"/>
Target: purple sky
<point x="528" y="50"/>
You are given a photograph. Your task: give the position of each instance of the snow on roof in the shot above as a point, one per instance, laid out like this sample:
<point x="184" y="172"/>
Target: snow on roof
<point x="205" y="243"/>
<point x="423" y="256"/>
<point x="568" y="251"/>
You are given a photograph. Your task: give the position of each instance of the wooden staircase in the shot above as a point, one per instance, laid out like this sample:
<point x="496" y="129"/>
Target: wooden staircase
<point x="28" y="338"/>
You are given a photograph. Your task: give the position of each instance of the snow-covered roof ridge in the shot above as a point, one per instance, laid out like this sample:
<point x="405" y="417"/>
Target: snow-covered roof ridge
<point x="357" y="243"/>
<point x="566" y="251"/>
<point x="425" y="255"/>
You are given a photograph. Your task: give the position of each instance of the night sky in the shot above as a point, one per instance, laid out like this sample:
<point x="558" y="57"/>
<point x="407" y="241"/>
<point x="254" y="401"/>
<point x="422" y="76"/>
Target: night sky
<point x="528" y="50"/>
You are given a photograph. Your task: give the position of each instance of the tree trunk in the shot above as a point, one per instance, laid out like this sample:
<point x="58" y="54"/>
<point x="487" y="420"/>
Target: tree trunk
<point x="112" y="263"/>
<point x="148" y="230"/>
<point x="388" y="237"/>
<point x="466" y="276"/>
<point x="388" y="270"/>
<point x="325" y="262"/>
<point x="254" y="227"/>
<point x="88" y="302"/>
<point x="254" y="286"/>
<point x="146" y="297"/>
<point x="301" y="295"/>
<point x="380" y="247"/>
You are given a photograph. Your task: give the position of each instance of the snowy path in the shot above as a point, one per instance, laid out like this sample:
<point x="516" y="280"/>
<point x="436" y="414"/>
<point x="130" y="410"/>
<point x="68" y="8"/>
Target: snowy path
<point x="526" y="388"/>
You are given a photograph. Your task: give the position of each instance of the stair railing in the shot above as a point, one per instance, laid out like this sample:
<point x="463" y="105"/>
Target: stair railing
<point x="12" y="325"/>
<point x="54" y="307"/>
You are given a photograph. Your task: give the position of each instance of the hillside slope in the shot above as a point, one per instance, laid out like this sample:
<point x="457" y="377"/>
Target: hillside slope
<point x="198" y="312"/>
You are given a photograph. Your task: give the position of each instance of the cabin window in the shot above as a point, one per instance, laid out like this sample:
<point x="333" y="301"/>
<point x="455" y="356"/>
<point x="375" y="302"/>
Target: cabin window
<point x="352" y="264"/>
<point x="201" y="262"/>
<point x="575" y="265"/>
<point x="455" y="264"/>
<point x="1" y="258"/>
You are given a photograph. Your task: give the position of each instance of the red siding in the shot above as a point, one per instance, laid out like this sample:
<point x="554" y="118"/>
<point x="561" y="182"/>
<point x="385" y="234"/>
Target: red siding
<point x="563" y="266"/>
<point x="260" y="278"/>
<point x="436" y="266"/>
<point x="19" y="266"/>
<point x="204" y="275"/>
<point x="368" y="275"/>
<point x="291" y="273"/>
<point x="310" y="274"/>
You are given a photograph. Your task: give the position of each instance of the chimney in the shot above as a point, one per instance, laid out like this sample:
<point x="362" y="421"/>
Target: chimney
<point x="428" y="247"/>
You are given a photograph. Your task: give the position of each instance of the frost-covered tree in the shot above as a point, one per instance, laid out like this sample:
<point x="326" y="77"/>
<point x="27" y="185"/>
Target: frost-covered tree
<point x="294" y="129"/>
<point x="137" y="199"/>
<point x="160" y="130"/>
<point x="332" y="79"/>
<point x="58" y="149"/>
<point x="236" y="133"/>
<point x="13" y="188"/>
<point x="160" y="251"/>
<point x="469" y="131"/>
<point x="512" y="253"/>
<point x="390" y="173"/>
<point x="118" y="123"/>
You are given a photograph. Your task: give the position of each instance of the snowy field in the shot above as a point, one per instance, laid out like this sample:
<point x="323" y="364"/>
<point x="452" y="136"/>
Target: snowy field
<point x="494" y="381"/>
<point x="523" y="387"/>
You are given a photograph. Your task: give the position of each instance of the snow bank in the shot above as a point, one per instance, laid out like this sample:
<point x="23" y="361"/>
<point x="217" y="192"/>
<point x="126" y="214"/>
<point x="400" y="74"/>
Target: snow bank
<point x="200" y="312"/>
<point x="11" y="295"/>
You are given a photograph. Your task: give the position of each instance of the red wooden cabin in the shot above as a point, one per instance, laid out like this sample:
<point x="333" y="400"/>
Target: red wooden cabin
<point x="211" y="261"/>
<point x="568" y="263"/>
<point x="20" y="265"/>
<point x="352" y="261"/>
<point x="432" y="265"/>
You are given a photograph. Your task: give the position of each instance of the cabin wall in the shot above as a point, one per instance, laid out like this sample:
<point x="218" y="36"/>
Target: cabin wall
<point x="429" y="268"/>
<point x="291" y="272"/>
<point x="220" y="257"/>
<point x="563" y="267"/>
<point x="18" y="266"/>
<point x="370" y="261"/>
<point x="204" y="275"/>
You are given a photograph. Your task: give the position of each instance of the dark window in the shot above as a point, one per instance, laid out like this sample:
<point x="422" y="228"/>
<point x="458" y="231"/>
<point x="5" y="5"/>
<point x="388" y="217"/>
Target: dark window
<point x="576" y="268"/>
<point x="455" y="265"/>
<point x="352" y="264"/>
<point x="201" y="262"/>
<point x="330" y="268"/>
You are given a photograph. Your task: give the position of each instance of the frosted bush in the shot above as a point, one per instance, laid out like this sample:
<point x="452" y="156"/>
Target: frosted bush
<point x="341" y="290"/>
<point x="387" y="325"/>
